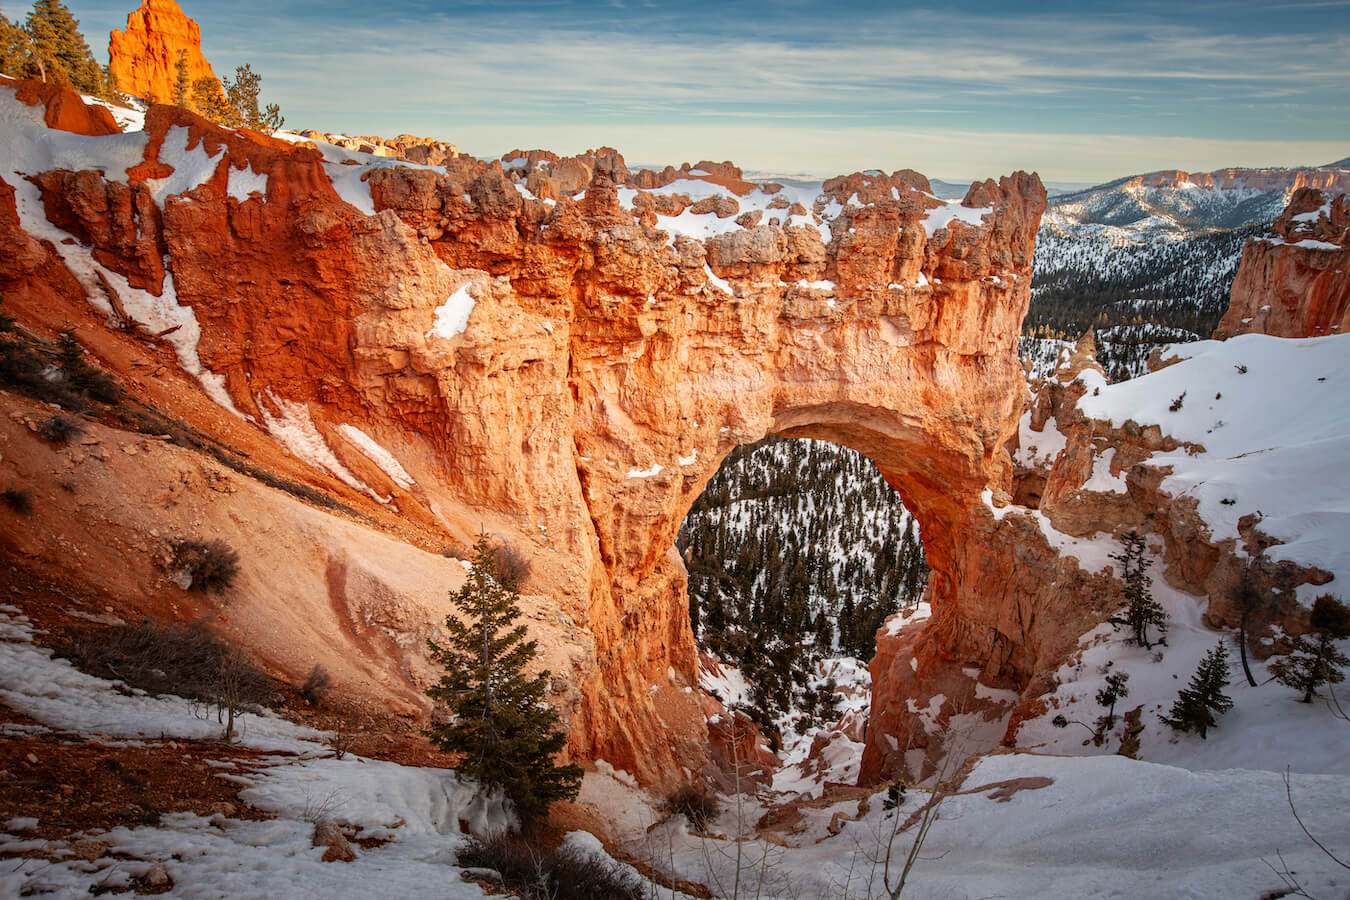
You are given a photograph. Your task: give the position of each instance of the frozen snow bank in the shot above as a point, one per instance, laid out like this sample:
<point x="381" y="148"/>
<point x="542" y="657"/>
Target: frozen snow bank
<point x="1273" y="416"/>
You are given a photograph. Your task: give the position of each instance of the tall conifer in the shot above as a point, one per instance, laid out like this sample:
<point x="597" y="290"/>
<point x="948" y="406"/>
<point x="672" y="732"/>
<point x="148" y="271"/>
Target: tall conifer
<point x="1198" y="705"/>
<point x="502" y="728"/>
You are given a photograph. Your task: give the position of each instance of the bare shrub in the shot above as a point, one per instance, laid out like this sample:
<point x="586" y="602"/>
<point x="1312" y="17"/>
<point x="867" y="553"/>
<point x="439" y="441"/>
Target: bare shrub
<point x="187" y="661"/>
<point x="316" y="686"/>
<point x="60" y="429"/>
<point x="80" y="376"/>
<point x="20" y="500"/>
<point x="343" y="739"/>
<point x="204" y="565"/>
<point x="509" y="564"/>
<point x="562" y="874"/>
<point x="698" y="806"/>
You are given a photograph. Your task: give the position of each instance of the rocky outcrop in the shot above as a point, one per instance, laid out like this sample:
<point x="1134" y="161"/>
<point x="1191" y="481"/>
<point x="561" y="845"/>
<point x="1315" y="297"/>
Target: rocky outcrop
<point x="408" y="147"/>
<point x="1296" y="282"/>
<point x="566" y="368"/>
<point x="144" y="58"/>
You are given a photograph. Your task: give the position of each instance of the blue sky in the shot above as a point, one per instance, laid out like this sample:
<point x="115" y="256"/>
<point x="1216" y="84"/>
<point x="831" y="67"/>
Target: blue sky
<point x="1076" y="91"/>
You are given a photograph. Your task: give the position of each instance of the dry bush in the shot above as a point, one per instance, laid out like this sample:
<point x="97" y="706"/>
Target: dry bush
<point x="562" y="874"/>
<point x="698" y="806"/>
<point x="60" y="429"/>
<point x="512" y="566"/>
<point x="188" y="661"/>
<point x="206" y="565"/>
<point x="18" y="499"/>
<point x="316" y="686"/>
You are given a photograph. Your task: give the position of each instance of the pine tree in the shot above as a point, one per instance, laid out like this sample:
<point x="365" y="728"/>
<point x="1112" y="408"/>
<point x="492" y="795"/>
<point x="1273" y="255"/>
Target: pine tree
<point x="501" y="728"/>
<point x="1141" y="610"/>
<point x="58" y="49"/>
<point x="182" y="82"/>
<point x="209" y="101"/>
<point x="1113" y="691"/>
<point x="243" y="94"/>
<point x="1313" y="663"/>
<point x="1198" y="705"/>
<point x="13" y="48"/>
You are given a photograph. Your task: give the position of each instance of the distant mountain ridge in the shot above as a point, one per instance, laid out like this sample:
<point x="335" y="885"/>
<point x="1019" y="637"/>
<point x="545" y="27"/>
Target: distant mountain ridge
<point x="1173" y="201"/>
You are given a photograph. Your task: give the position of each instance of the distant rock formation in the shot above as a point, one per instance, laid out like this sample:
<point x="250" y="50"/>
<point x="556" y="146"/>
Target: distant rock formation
<point x="1296" y="283"/>
<point x="420" y="150"/>
<point x="144" y="58"/>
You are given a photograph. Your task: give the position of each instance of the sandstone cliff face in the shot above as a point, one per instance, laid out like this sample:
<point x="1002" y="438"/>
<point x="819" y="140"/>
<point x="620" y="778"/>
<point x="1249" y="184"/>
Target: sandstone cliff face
<point x="144" y="58"/>
<point x="620" y="333"/>
<point x="1296" y="283"/>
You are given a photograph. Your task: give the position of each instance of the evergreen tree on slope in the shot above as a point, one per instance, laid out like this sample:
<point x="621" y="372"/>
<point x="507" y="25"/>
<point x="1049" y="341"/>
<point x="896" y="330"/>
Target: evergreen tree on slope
<point x="1312" y="663"/>
<point x="502" y="729"/>
<point x="1141" y="611"/>
<point x="1198" y="706"/>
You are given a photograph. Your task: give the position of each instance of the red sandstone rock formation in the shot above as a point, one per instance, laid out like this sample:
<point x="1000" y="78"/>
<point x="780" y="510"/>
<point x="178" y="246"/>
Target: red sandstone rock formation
<point x="604" y="372"/>
<point x="144" y="58"/>
<point x="1296" y="283"/>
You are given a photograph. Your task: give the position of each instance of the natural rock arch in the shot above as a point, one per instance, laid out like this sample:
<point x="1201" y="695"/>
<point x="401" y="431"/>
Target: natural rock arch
<point x="606" y="369"/>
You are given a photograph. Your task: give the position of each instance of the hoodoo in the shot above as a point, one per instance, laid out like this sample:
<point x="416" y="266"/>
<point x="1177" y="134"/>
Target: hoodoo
<point x="144" y="58"/>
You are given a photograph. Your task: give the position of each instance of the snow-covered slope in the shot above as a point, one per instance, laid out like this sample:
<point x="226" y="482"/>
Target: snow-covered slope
<point x="1265" y="423"/>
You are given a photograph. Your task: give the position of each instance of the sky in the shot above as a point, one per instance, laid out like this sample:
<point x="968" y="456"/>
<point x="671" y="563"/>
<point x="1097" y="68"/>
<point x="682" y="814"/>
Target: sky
<point x="1079" y="92"/>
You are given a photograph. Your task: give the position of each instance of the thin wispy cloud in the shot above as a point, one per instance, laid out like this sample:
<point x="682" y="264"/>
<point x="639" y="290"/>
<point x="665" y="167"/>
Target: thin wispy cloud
<point x="486" y="74"/>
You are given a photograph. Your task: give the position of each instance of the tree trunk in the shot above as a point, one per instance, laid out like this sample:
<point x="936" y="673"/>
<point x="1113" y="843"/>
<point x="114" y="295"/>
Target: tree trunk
<point x="1242" y="648"/>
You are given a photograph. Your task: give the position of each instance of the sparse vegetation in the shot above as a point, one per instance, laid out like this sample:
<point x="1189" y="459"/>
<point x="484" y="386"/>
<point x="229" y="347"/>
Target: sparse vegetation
<point x="18" y="499"/>
<point x="317" y="685"/>
<point x="81" y="376"/>
<point x="563" y="874"/>
<point x="698" y="806"/>
<point x="60" y="429"/>
<point x="1316" y="661"/>
<point x="188" y="661"/>
<point x="203" y="565"/>
<point x="1176" y="404"/>
<point x="1198" y="706"/>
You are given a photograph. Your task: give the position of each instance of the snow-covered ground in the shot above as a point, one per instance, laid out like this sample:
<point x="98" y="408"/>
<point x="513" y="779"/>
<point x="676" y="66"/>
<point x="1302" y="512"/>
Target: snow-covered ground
<point x="417" y="809"/>
<point x="1266" y="423"/>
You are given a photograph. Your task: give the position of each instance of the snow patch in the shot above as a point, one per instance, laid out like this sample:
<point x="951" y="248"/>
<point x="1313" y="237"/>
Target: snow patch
<point x="452" y="316"/>
<point x="378" y="455"/>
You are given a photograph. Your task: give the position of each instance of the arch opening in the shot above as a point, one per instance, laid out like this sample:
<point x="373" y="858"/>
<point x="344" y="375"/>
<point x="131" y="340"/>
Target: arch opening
<point x="797" y="551"/>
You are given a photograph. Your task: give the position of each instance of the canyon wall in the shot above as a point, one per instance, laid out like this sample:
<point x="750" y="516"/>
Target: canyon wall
<point x="1296" y="282"/>
<point x="563" y="351"/>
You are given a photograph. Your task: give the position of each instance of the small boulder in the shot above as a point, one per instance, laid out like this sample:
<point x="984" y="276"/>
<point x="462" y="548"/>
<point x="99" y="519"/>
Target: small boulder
<point x="328" y="834"/>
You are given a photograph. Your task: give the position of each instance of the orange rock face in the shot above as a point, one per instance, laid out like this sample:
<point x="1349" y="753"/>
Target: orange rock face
<point x="64" y="109"/>
<point x="1297" y="282"/>
<point x="144" y="58"/>
<point x="605" y="369"/>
